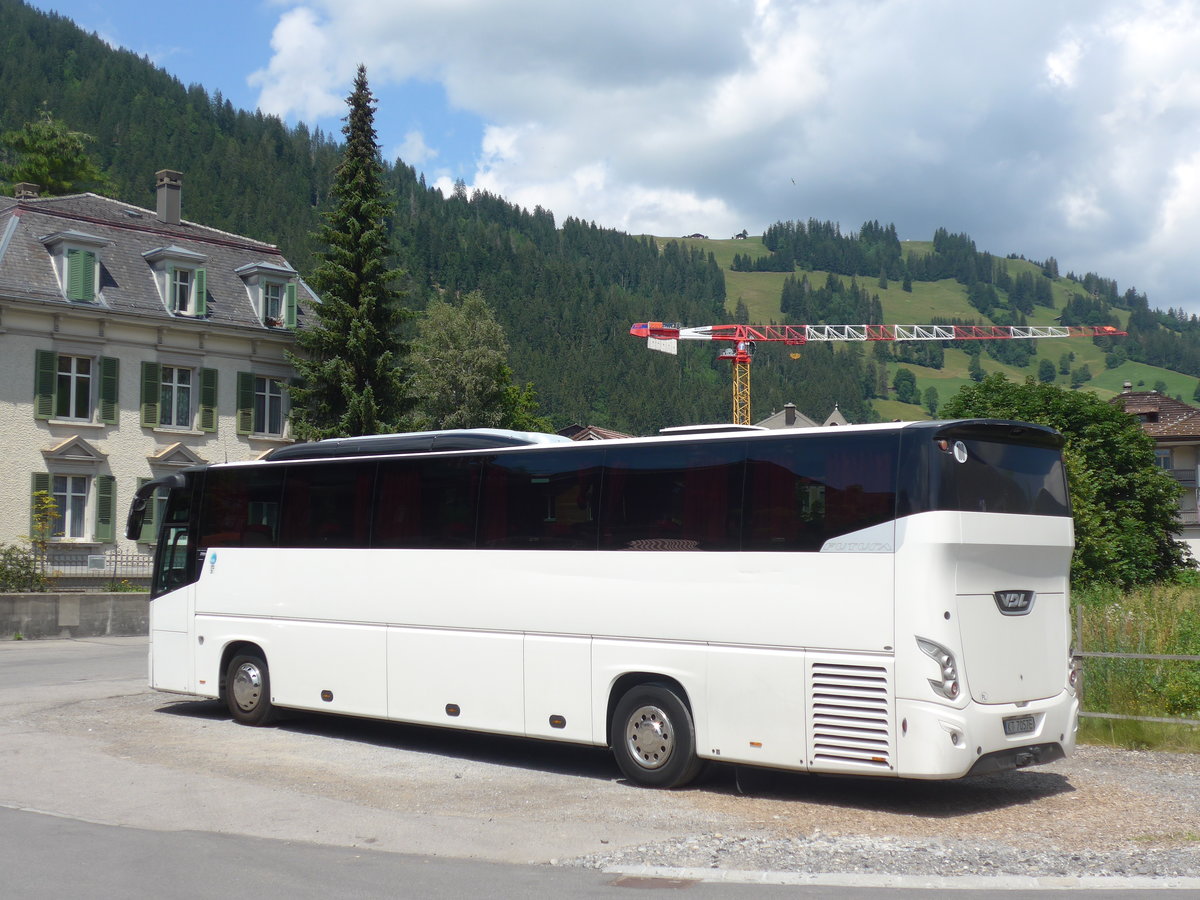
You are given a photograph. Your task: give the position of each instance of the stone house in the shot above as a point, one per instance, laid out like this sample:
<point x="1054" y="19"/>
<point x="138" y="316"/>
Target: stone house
<point x="1175" y="427"/>
<point x="132" y="343"/>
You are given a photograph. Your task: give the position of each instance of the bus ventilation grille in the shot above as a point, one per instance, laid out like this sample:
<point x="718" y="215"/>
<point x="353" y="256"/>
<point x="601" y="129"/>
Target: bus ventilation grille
<point x="850" y="716"/>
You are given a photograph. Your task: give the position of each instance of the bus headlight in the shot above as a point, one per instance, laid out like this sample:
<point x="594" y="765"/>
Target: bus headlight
<point x="948" y="686"/>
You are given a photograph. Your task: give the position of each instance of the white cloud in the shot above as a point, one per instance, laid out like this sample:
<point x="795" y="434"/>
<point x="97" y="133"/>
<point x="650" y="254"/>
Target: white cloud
<point x="1065" y="129"/>
<point x="302" y="78"/>
<point x="1062" y="64"/>
<point x="414" y="150"/>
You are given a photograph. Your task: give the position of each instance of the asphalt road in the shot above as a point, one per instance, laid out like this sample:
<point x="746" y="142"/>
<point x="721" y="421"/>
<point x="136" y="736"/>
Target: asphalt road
<point x="108" y="789"/>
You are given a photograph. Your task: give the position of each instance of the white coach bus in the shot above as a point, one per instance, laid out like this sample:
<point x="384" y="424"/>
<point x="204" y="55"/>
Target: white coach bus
<point x="871" y="600"/>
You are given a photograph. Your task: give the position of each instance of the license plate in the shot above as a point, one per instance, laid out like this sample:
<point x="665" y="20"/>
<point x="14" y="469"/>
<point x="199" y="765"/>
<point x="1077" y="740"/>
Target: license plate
<point x="1019" y="725"/>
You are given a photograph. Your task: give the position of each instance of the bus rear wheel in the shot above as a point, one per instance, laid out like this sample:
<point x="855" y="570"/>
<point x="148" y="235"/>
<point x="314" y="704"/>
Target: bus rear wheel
<point x="653" y="737"/>
<point x="248" y="690"/>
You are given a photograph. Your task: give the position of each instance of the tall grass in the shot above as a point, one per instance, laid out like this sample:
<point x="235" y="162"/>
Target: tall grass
<point x="1158" y="620"/>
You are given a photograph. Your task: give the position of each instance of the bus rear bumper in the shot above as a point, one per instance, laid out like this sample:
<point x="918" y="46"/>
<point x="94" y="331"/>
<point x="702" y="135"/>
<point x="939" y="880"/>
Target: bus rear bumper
<point x="941" y="742"/>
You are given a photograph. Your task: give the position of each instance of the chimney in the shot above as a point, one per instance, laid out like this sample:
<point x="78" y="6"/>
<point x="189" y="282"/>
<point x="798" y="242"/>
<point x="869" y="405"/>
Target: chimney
<point x="25" y="190"/>
<point x="1128" y="387"/>
<point x="168" y="185"/>
<point x="789" y="414"/>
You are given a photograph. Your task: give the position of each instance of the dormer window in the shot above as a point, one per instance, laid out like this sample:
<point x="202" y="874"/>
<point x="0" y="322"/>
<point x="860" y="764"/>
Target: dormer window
<point x="76" y="258"/>
<point x="181" y="279"/>
<point x="272" y="291"/>
<point x="183" y="291"/>
<point x="273" y="301"/>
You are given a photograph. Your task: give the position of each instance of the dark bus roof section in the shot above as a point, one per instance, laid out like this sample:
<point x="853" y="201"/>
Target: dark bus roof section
<point x="415" y="442"/>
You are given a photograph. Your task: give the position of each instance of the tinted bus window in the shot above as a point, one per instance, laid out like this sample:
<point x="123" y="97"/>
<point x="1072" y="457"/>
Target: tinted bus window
<point x="426" y="502"/>
<point x="327" y="505"/>
<point x="803" y="491"/>
<point x="1002" y="477"/>
<point x="174" y="563"/>
<point x="241" y="507"/>
<point x="546" y="500"/>
<point x="673" y="497"/>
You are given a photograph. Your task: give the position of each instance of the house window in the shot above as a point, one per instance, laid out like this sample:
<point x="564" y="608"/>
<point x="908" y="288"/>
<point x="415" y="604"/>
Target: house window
<point x="186" y="291"/>
<point x="273" y="300"/>
<point x="181" y="291"/>
<point x="1162" y="456"/>
<point x="268" y="406"/>
<point x="175" y="397"/>
<point x="70" y="494"/>
<point x="261" y="406"/>
<point x="170" y="395"/>
<point x="70" y="387"/>
<point x="73" y="388"/>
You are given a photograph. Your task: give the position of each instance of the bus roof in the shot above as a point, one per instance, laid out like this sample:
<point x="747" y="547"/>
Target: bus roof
<point x="415" y="442"/>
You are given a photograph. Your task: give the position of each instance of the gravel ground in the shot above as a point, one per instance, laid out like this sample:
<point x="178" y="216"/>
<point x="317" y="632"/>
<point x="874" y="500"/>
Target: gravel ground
<point x="1103" y="813"/>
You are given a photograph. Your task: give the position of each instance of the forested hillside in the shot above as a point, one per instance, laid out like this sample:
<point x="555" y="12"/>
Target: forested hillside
<point x="567" y="291"/>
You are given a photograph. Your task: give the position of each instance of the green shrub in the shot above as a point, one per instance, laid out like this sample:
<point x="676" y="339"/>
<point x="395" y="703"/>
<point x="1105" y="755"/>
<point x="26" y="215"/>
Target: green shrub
<point x="20" y="570"/>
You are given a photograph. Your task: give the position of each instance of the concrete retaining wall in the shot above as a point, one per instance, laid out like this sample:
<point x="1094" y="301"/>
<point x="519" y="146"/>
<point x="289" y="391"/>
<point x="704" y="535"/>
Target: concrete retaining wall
<point x="73" y="615"/>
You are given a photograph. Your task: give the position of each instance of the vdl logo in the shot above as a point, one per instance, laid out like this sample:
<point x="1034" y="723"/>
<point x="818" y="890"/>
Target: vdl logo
<point x="1014" y="603"/>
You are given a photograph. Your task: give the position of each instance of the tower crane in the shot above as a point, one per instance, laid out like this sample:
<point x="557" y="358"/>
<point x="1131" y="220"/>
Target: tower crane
<point x="664" y="337"/>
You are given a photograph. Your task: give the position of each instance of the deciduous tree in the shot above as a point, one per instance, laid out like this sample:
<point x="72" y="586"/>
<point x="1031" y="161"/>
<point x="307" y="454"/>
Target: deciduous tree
<point x="461" y="373"/>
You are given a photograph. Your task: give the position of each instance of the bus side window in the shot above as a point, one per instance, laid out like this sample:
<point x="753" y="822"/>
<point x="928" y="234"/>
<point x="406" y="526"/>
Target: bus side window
<point x="671" y="497"/>
<point x="327" y="505"/>
<point x="801" y="493"/>
<point x="426" y="503"/>
<point x="241" y="507"/>
<point x="542" y="501"/>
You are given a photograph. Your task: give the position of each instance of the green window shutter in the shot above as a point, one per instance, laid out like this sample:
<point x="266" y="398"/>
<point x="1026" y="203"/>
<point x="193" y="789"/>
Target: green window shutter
<point x="41" y="482"/>
<point x="151" y="378"/>
<point x="149" y="532"/>
<point x="74" y="281"/>
<point x="106" y="506"/>
<point x="289" y="306"/>
<point x="81" y="275"/>
<point x="45" y="380"/>
<point x="208" y="400"/>
<point x="245" y="402"/>
<point x="110" y="368"/>
<point x="200" y="285"/>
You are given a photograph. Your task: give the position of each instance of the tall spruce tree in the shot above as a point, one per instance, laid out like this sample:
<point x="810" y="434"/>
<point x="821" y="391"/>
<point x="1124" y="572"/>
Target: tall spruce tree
<point x="351" y="375"/>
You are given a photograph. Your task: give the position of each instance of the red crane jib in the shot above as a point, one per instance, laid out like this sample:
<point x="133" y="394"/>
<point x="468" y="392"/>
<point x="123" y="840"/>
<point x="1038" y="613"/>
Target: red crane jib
<point x="802" y="334"/>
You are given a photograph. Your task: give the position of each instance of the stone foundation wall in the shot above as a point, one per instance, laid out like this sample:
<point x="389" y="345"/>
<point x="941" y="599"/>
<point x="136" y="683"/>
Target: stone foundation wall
<point x="73" y="615"/>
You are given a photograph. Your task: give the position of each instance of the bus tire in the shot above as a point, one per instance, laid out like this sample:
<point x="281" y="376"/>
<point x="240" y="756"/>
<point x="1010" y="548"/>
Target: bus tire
<point x="248" y="690"/>
<point x="653" y="737"/>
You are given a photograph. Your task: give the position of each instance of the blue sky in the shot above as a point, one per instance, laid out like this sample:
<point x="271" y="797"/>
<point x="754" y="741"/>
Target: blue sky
<point x="1069" y="129"/>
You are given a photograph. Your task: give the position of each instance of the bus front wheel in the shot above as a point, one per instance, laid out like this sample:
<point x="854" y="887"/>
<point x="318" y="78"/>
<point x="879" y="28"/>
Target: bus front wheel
<point x="653" y="737"/>
<point x="248" y="690"/>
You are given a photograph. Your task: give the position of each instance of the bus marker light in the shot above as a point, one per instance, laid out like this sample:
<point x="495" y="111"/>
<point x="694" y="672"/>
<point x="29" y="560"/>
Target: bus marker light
<point x="756" y="744"/>
<point x="327" y="696"/>
<point x="558" y="722"/>
<point x="452" y="709"/>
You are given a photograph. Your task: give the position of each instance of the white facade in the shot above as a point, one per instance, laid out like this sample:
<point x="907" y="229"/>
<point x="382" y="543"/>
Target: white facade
<point x="130" y="347"/>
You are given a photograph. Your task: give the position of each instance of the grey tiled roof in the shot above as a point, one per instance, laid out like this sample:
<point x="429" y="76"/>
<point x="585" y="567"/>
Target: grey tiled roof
<point x="127" y="282"/>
